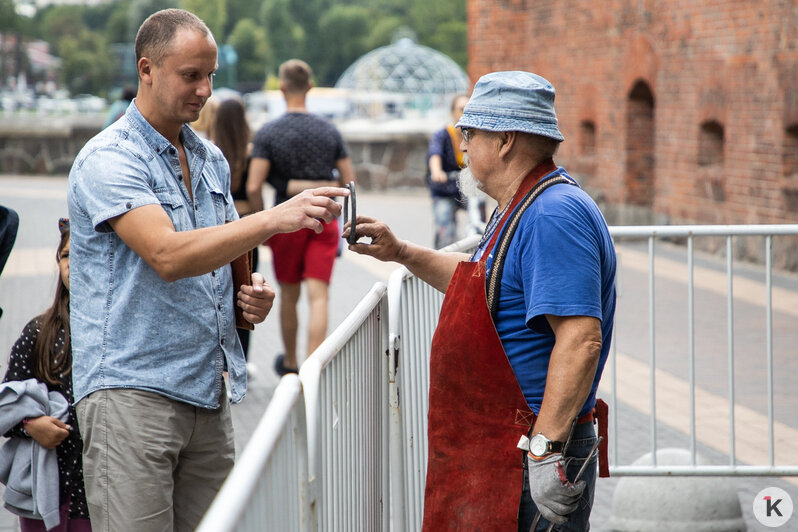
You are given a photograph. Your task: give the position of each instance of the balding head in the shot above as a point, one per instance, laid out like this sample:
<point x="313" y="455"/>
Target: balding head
<point x="156" y="34"/>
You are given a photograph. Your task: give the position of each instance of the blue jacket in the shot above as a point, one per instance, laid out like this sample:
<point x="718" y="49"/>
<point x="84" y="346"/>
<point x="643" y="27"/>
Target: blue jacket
<point x="28" y="470"/>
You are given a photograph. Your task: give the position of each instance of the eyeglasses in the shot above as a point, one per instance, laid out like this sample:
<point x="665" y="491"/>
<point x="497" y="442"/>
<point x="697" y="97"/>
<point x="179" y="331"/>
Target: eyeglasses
<point x="468" y="133"/>
<point x="351" y="199"/>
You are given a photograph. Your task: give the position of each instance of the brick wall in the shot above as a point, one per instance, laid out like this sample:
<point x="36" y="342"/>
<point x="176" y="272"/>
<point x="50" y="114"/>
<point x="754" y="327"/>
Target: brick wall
<point x="730" y="66"/>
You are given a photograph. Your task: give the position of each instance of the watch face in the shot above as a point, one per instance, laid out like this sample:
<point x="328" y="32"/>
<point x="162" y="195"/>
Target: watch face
<point x="538" y="445"/>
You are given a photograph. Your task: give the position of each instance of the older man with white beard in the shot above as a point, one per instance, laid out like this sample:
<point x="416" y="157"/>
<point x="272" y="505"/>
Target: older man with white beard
<point x="524" y="330"/>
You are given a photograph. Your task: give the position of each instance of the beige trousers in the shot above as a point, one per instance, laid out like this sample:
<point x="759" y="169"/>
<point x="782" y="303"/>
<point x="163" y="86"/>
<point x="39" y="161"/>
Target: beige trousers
<point x="152" y="464"/>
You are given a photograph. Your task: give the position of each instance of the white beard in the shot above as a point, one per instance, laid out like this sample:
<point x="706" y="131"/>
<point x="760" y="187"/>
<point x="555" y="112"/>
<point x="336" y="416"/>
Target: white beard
<point x="469" y="186"/>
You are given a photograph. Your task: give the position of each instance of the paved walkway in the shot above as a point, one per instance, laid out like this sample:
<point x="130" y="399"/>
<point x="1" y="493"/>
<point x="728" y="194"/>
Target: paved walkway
<point x="27" y="285"/>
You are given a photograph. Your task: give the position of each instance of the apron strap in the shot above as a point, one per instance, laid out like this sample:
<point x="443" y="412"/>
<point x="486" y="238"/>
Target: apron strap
<point x="495" y="276"/>
<point x="601" y="414"/>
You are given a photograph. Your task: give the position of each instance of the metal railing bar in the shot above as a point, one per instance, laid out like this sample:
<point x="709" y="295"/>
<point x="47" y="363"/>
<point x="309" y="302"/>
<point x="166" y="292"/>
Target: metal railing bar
<point x="614" y="400"/>
<point x="614" y="358"/>
<point x="652" y="348"/>
<point x="704" y="471"/>
<point x="691" y="340"/>
<point x="659" y="231"/>
<point x="769" y="341"/>
<point x="730" y="317"/>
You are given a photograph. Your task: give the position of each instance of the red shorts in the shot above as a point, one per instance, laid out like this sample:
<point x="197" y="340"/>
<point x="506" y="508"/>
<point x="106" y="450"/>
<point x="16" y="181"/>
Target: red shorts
<point x="305" y="254"/>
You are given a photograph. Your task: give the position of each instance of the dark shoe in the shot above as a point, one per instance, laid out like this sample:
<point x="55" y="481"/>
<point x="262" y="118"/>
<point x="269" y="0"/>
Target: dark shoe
<point x="280" y="368"/>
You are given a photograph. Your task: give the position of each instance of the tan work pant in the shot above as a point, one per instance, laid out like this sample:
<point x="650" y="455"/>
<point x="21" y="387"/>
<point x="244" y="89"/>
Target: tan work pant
<point x="152" y="464"/>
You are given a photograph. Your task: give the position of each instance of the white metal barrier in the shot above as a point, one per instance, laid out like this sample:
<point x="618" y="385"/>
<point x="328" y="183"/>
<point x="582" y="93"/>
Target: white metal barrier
<point x="317" y="460"/>
<point x="413" y="308"/>
<point x="413" y="311"/>
<point x="690" y="232"/>
<point x="267" y="489"/>
<point x="365" y="398"/>
<point x="346" y="397"/>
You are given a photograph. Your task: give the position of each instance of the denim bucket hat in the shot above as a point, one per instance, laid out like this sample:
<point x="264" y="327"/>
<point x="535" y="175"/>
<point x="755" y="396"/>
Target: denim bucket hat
<point x="512" y="101"/>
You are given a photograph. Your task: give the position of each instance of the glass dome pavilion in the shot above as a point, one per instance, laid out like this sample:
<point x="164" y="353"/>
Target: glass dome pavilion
<point x="404" y="75"/>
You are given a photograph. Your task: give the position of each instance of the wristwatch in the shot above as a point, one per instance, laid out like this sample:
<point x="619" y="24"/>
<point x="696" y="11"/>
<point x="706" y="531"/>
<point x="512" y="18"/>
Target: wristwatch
<point x="540" y="446"/>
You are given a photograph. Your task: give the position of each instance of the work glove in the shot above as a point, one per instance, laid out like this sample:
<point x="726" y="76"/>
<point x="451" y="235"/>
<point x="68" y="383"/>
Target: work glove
<point x="551" y="491"/>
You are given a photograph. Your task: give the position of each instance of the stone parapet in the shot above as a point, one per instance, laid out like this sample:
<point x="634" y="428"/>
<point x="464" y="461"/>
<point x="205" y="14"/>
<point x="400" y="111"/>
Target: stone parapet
<point x="43" y="144"/>
<point x="384" y="155"/>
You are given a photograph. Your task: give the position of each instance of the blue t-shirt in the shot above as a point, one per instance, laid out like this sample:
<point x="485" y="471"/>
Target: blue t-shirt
<point x="561" y="261"/>
<point x="440" y="144"/>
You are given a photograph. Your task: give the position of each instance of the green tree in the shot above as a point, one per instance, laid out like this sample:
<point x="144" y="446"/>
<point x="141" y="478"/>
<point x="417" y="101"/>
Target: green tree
<point x="382" y="31"/>
<point x="345" y="30"/>
<point x="308" y="14"/>
<point x="139" y="10"/>
<point x="429" y="19"/>
<point x="238" y="10"/>
<point x="212" y="12"/>
<point x="252" y="47"/>
<point x="330" y="34"/>
<point x="286" y="36"/>
<point x="59" y="22"/>
<point x="452" y="39"/>
<point x="97" y="16"/>
<point x="10" y="20"/>
<point x="10" y="23"/>
<point x="117" y="28"/>
<point x="87" y="66"/>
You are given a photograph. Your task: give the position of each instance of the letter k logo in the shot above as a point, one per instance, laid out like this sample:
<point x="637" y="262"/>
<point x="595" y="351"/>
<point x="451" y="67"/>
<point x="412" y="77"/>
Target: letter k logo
<point x="772" y="506"/>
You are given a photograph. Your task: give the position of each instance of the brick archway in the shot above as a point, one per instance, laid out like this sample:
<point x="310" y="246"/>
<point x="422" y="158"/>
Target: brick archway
<point x="640" y="149"/>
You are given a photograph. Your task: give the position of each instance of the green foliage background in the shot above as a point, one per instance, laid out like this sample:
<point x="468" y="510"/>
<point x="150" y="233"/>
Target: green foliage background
<point x="328" y="34"/>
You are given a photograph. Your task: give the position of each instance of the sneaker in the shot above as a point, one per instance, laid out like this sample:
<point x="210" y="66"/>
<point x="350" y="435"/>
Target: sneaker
<point x="280" y="368"/>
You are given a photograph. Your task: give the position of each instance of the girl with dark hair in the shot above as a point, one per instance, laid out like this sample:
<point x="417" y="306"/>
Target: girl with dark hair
<point x="43" y="351"/>
<point x="230" y="131"/>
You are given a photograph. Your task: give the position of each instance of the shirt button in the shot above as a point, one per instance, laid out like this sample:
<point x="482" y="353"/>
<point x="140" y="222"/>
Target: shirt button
<point x="222" y="341"/>
<point x="196" y="206"/>
<point x="213" y="274"/>
<point x="219" y="306"/>
<point x="128" y="205"/>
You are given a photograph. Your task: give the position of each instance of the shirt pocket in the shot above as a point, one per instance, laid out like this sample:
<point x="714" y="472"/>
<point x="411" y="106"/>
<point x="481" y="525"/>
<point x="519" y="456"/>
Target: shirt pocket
<point x="175" y="207"/>
<point x="220" y="204"/>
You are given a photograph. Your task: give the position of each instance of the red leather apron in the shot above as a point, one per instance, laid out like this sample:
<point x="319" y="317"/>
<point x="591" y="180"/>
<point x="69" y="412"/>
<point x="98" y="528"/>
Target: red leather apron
<point x="477" y="411"/>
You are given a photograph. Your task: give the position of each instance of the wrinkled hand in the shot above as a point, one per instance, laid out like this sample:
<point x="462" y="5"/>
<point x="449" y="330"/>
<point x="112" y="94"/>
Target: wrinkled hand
<point x="384" y="245"/>
<point x="308" y="209"/>
<point x="551" y="491"/>
<point x="438" y="176"/>
<point x="256" y="299"/>
<point x="48" y="431"/>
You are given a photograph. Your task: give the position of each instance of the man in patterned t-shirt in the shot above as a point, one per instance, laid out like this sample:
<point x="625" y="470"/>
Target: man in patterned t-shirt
<point x="296" y="152"/>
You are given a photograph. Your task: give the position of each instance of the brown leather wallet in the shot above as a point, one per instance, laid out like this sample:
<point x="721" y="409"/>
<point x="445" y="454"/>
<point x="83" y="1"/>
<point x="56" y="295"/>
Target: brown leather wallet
<point x="242" y="274"/>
